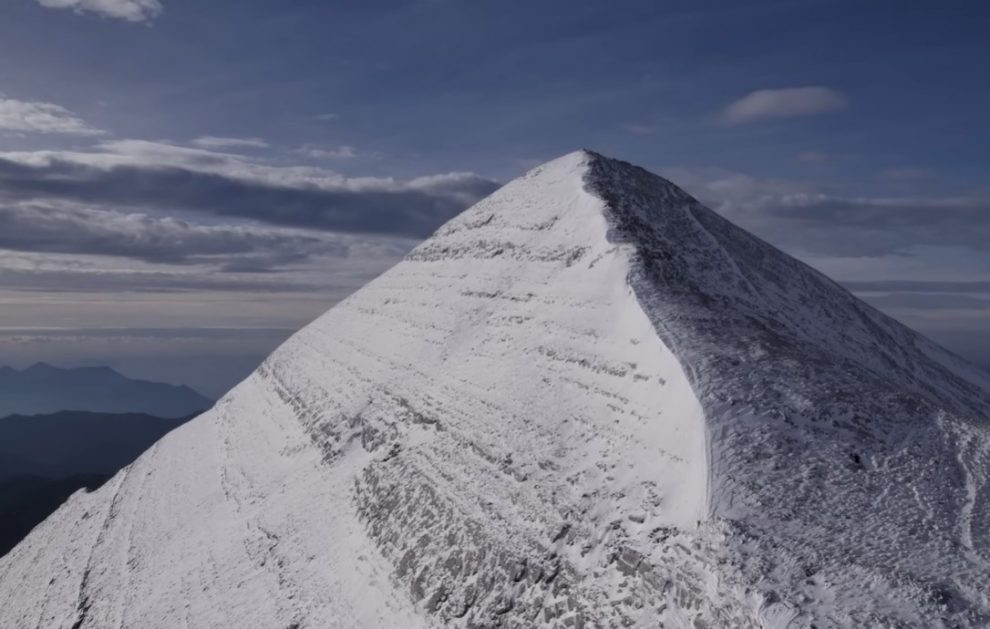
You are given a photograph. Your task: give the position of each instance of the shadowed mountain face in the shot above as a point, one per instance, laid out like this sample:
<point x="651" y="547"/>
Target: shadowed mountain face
<point x="587" y="401"/>
<point x="43" y="388"/>
<point x="27" y="500"/>
<point x="69" y="443"/>
<point x="44" y="459"/>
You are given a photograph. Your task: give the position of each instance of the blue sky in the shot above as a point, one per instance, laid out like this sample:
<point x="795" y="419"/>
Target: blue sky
<point x="207" y="176"/>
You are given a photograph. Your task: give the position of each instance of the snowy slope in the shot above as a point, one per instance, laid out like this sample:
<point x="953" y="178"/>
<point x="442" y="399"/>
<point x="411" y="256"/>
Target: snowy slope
<point x="585" y="402"/>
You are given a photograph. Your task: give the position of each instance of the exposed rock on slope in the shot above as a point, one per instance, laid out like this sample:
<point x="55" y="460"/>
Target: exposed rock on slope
<point x="586" y="401"/>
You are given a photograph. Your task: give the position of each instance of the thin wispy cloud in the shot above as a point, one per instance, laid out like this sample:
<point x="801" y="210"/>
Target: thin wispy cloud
<point x="55" y="228"/>
<point x="920" y="286"/>
<point x="129" y="10"/>
<point x="214" y="142"/>
<point x="155" y="176"/>
<point x="924" y="301"/>
<point x="39" y="117"/>
<point x="313" y="151"/>
<point x="808" y="218"/>
<point x="791" y="102"/>
<point x="873" y="226"/>
<point x="144" y="281"/>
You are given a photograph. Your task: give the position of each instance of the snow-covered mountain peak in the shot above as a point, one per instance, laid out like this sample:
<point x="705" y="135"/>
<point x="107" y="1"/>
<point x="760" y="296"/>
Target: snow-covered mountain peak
<point x="564" y="175"/>
<point x="587" y="401"/>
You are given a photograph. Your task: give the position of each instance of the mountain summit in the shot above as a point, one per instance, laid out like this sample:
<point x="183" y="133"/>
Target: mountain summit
<point x="587" y="401"/>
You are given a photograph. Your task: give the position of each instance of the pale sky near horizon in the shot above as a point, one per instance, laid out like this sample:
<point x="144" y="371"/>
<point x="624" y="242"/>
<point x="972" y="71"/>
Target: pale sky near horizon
<point x="184" y="183"/>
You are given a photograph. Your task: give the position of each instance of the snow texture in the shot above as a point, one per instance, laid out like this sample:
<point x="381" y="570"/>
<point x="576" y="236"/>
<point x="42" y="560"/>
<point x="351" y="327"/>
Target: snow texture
<point x="588" y="401"/>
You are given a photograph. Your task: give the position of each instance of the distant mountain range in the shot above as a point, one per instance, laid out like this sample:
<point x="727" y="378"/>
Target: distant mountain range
<point x="43" y="388"/>
<point x="48" y="453"/>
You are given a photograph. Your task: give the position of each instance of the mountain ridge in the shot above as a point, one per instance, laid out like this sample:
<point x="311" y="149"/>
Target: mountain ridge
<point x="585" y="401"/>
<point x="602" y="167"/>
<point x="858" y="394"/>
<point x="43" y="389"/>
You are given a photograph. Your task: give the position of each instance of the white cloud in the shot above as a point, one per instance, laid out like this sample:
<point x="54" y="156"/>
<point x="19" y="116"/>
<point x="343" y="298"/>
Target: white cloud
<point x="24" y="116"/>
<point x="214" y="142"/>
<point x="640" y="129"/>
<point x="783" y="103"/>
<point x="130" y="10"/>
<point x="313" y="151"/>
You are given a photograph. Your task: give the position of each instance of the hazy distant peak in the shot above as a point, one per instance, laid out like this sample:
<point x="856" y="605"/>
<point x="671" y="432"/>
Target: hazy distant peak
<point x="44" y="388"/>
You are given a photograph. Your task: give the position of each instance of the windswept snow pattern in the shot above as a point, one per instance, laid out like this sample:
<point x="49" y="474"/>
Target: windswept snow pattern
<point x="588" y="401"/>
